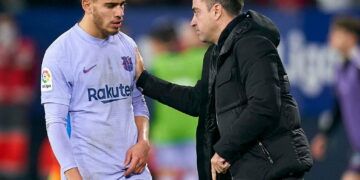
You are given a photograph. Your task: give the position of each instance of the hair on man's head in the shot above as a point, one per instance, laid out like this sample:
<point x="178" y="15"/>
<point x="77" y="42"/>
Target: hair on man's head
<point x="234" y="7"/>
<point x="349" y="24"/>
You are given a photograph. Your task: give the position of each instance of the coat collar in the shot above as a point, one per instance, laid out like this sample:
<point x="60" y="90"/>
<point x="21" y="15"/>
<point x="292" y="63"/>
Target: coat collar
<point x="236" y="27"/>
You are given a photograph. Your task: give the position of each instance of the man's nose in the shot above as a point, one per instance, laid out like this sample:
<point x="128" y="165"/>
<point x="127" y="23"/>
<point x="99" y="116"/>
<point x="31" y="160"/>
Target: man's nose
<point x="119" y="11"/>
<point x="193" y="23"/>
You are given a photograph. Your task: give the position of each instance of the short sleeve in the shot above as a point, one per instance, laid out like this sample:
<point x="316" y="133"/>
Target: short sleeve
<point x="129" y="40"/>
<point x="139" y="104"/>
<point x="55" y="87"/>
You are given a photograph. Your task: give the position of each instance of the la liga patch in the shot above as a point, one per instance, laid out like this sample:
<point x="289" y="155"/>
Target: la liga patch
<point x="46" y="80"/>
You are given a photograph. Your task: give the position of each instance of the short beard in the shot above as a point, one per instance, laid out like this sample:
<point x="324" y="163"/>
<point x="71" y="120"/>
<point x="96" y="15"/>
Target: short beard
<point x="98" y="21"/>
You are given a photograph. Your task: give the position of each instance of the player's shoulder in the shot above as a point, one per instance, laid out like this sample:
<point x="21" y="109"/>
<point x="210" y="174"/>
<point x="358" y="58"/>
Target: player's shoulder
<point x="59" y="48"/>
<point x="125" y="38"/>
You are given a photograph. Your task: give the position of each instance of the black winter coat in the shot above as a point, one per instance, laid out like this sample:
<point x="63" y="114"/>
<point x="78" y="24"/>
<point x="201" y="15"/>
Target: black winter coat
<point x="246" y="113"/>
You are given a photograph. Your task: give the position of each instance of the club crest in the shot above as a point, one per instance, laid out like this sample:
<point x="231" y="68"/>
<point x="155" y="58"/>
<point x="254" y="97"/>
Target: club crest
<point x="128" y="65"/>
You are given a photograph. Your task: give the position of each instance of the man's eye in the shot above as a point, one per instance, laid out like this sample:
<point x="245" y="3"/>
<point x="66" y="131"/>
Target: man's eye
<point x="109" y="5"/>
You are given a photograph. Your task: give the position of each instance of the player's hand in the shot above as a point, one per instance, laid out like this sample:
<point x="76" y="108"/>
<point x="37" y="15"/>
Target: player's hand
<point x="139" y="64"/>
<point x="213" y="173"/>
<point x="219" y="164"/>
<point x="137" y="157"/>
<point x="73" y="174"/>
<point x="318" y="146"/>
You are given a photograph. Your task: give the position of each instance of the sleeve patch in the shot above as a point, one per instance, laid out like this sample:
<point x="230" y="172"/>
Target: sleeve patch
<point x="46" y="80"/>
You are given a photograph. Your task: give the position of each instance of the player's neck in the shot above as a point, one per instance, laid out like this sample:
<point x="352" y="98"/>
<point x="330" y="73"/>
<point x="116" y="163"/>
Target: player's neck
<point x="89" y="27"/>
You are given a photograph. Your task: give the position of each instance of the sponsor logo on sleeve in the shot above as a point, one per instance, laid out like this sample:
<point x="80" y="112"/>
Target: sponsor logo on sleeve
<point x="46" y="80"/>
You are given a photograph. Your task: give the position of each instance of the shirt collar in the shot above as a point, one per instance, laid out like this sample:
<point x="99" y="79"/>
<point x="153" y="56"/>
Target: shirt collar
<point x="92" y="39"/>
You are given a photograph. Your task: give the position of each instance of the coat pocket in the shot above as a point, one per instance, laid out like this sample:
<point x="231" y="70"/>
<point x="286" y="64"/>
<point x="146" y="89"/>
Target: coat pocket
<point x="291" y="154"/>
<point x="228" y="92"/>
<point x="265" y="152"/>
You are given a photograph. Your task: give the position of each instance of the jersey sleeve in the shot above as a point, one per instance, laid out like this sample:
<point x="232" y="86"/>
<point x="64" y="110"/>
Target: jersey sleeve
<point x="139" y="104"/>
<point x="129" y="40"/>
<point x="55" y="115"/>
<point x="55" y="86"/>
<point x="138" y="100"/>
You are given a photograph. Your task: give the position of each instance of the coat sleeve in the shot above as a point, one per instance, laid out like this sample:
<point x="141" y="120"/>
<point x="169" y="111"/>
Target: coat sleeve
<point x="258" y="65"/>
<point x="186" y="99"/>
<point x="183" y="98"/>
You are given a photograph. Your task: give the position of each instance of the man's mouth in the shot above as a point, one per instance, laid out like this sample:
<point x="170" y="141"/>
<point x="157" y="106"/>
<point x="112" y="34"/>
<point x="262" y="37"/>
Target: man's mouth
<point x="116" y="24"/>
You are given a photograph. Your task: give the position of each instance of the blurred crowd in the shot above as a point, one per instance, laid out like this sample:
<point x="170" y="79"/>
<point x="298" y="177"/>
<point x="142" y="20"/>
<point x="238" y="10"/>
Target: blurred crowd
<point x="17" y="82"/>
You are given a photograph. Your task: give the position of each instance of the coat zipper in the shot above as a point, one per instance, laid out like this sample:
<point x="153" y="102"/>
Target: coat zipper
<point x="266" y="152"/>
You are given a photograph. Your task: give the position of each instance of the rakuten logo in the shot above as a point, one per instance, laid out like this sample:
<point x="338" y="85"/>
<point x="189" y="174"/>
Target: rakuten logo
<point x="109" y="94"/>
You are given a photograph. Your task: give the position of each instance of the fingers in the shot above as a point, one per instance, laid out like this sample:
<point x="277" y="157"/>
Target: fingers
<point x="219" y="164"/>
<point x="220" y="167"/>
<point x="127" y="158"/>
<point x="140" y="167"/>
<point x="226" y="166"/>
<point x="134" y="161"/>
<point x="137" y="166"/>
<point x="213" y="173"/>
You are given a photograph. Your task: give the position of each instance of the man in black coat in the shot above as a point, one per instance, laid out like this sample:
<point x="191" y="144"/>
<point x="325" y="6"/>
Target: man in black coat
<point x="249" y="123"/>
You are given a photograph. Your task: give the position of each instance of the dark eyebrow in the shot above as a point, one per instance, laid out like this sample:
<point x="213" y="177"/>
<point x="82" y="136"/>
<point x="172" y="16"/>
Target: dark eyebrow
<point x="115" y="3"/>
<point x="111" y="3"/>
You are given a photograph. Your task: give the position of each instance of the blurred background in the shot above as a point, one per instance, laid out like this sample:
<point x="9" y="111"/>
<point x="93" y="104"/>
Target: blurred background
<point x="171" y="51"/>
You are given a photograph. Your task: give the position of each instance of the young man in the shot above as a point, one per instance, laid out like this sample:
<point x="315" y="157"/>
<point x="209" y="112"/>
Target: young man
<point x="248" y="120"/>
<point x="344" y="38"/>
<point x="89" y="72"/>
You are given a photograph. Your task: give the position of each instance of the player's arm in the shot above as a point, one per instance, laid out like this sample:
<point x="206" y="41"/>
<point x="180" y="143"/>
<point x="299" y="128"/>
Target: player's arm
<point x="55" y="96"/>
<point x="55" y="115"/>
<point x="137" y="156"/>
<point x="327" y="123"/>
<point x="142" y="124"/>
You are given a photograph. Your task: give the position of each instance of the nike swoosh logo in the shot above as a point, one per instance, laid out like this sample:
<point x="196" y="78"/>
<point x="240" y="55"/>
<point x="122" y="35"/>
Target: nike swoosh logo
<point x="111" y="100"/>
<point x="87" y="70"/>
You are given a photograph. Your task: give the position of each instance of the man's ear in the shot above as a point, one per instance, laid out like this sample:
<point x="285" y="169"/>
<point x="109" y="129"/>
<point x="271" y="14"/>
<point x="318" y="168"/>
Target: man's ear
<point x="217" y="11"/>
<point x="86" y="5"/>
